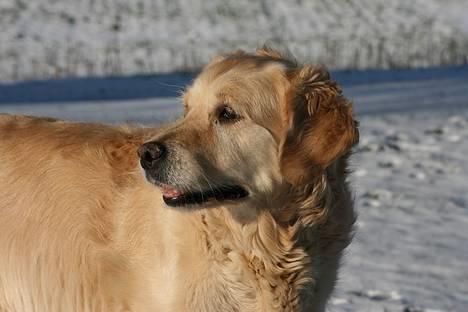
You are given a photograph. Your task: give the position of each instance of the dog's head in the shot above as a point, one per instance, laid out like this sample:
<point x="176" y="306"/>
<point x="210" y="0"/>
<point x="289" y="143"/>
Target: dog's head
<point x="253" y="123"/>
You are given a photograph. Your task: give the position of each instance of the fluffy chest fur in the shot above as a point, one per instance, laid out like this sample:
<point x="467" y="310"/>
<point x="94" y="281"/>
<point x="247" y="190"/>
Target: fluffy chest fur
<point x="226" y="266"/>
<point x="269" y="264"/>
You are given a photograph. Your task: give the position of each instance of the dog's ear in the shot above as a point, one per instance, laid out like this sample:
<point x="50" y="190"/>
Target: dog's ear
<point x="318" y="124"/>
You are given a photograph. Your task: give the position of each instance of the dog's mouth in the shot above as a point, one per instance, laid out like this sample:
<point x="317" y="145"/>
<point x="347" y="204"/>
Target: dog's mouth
<point x="175" y="197"/>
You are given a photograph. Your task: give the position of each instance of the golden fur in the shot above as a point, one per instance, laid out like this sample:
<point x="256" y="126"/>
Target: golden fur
<point x="81" y="229"/>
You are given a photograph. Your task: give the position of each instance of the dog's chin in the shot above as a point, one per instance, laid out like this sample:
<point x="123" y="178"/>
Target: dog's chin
<point x="228" y="194"/>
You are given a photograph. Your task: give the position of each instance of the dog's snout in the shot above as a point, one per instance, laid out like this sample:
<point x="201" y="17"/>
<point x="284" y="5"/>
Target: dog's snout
<point x="150" y="153"/>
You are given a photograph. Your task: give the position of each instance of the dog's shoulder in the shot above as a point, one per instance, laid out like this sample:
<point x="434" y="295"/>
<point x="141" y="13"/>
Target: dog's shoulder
<point x="84" y="144"/>
<point x="53" y="129"/>
<point x="10" y="122"/>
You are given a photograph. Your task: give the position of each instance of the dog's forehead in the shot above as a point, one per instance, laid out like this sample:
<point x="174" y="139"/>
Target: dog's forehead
<point x="238" y="82"/>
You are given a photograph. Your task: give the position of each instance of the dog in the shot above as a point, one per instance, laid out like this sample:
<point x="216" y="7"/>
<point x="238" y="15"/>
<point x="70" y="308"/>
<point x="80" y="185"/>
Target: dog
<point x="242" y="204"/>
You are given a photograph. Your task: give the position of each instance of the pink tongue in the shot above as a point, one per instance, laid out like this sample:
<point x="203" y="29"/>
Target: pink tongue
<point x="170" y="192"/>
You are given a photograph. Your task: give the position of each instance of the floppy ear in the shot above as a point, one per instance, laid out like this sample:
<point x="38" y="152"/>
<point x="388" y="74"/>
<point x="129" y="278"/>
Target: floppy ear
<point x="318" y="123"/>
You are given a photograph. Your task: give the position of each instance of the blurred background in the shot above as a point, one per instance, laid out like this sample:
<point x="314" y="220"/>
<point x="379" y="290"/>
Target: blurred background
<point x="62" y="38"/>
<point x="404" y="64"/>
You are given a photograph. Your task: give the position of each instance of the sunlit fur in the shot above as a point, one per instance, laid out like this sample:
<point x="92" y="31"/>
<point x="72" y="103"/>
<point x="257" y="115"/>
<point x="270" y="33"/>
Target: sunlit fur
<point x="81" y="229"/>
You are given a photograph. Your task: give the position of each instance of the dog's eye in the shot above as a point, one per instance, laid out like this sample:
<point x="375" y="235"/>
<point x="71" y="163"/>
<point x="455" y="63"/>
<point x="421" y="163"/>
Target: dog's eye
<point x="227" y="114"/>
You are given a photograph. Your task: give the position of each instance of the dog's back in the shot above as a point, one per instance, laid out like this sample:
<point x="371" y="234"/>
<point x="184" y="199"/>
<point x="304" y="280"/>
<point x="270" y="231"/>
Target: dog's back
<point x="58" y="184"/>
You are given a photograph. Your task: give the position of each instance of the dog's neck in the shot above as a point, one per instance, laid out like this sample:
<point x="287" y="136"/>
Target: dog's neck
<point x="272" y="244"/>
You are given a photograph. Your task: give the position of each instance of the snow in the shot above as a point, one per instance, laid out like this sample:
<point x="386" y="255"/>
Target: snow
<point x="50" y="38"/>
<point x="410" y="251"/>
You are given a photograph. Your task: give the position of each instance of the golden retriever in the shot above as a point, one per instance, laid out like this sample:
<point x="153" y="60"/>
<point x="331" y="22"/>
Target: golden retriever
<point x="245" y="204"/>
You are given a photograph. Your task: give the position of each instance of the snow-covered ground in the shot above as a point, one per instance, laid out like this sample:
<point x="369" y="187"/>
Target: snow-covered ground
<point x="49" y="38"/>
<point x="410" y="251"/>
<point x="411" y="246"/>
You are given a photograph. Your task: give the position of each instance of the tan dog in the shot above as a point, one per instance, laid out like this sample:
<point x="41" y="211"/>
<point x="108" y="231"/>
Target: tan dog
<point x="245" y="205"/>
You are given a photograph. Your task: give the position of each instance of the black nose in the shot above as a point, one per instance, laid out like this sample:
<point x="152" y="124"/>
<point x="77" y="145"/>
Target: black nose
<point x="150" y="153"/>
